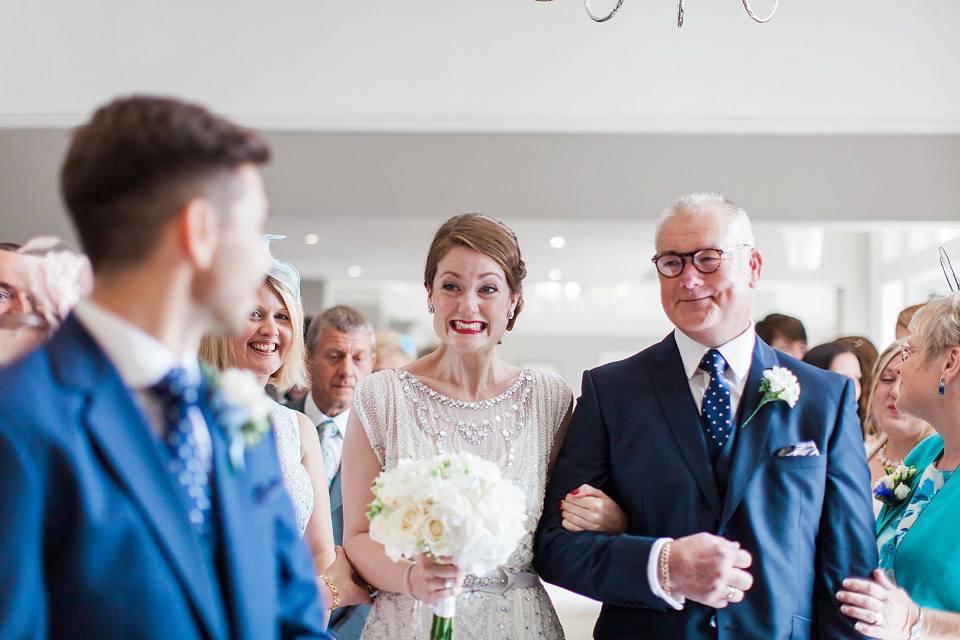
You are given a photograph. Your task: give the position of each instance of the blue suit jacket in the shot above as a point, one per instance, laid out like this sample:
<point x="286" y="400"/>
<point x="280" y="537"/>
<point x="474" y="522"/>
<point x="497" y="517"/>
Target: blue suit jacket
<point x="94" y="540"/>
<point x="807" y="521"/>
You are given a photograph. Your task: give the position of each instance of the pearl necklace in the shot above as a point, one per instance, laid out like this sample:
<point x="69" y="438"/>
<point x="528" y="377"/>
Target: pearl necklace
<point x="438" y="424"/>
<point x="885" y="461"/>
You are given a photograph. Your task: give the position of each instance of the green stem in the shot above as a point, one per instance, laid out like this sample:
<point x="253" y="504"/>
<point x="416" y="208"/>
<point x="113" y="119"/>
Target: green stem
<point x="442" y="628"/>
<point x="764" y="401"/>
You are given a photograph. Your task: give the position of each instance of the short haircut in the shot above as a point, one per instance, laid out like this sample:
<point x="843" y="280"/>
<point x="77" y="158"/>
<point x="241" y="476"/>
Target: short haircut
<point x="341" y="318"/>
<point x="131" y="169"/>
<point x="937" y="325"/>
<point x="487" y="236"/>
<point x="292" y="374"/>
<point x="777" y="323"/>
<point x="705" y="203"/>
<point x="9" y="246"/>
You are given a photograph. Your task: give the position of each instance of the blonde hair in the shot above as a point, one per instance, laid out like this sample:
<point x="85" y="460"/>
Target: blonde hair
<point x="870" y="427"/>
<point x="292" y="374"/>
<point x="937" y="325"/>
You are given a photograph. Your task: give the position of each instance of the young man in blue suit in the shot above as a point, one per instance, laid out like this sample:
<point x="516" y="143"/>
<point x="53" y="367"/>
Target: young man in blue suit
<point x="738" y="526"/>
<point x="127" y="508"/>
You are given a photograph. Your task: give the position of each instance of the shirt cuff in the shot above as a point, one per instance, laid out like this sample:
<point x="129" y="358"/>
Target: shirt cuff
<point x="653" y="575"/>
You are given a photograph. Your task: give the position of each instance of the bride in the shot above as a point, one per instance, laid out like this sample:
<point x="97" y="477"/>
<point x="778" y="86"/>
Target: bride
<point x="461" y="397"/>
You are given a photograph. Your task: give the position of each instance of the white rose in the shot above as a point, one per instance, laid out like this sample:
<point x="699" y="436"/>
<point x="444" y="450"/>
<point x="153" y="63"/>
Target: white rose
<point x="783" y="383"/>
<point x="902" y="491"/>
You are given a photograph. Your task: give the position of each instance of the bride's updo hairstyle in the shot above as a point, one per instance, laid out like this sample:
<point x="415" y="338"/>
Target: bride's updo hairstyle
<point x="484" y="235"/>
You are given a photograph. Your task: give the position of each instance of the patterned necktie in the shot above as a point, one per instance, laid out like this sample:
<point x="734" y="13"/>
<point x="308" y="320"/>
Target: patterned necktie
<point x="716" y="401"/>
<point x="328" y="432"/>
<point x="187" y="464"/>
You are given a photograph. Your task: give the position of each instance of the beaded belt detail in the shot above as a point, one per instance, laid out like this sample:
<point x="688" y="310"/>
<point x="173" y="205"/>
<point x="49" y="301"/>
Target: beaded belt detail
<point x="499" y="581"/>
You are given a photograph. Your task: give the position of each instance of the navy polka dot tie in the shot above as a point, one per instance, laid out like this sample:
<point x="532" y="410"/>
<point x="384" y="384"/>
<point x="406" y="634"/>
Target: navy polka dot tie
<point x="189" y="468"/>
<point x="716" y="401"/>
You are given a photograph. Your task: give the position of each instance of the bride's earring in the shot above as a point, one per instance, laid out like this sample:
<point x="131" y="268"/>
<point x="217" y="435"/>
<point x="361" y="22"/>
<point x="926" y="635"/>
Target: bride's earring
<point x="510" y="314"/>
<point x="429" y="308"/>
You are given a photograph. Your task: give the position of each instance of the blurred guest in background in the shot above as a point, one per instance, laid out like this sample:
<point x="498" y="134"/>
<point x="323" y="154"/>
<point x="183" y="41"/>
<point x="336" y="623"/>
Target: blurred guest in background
<point x="340" y="353"/>
<point x="889" y="433"/>
<point x="13" y="294"/>
<point x="394" y="350"/>
<point x="40" y="283"/>
<point x="915" y="592"/>
<point x="784" y="333"/>
<point x="837" y="358"/>
<point x="903" y="320"/>
<point x="867" y="355"/>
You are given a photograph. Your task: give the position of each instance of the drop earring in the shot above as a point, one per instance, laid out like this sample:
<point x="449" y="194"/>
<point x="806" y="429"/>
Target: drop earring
<point x="429" y="308"/>
<point x="943" y="382"/>
<point x="510" y="314"/>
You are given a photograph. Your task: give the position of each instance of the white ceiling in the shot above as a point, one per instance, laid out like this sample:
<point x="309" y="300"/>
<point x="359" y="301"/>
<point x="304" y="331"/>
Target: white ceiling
<point x="859" y="66"/>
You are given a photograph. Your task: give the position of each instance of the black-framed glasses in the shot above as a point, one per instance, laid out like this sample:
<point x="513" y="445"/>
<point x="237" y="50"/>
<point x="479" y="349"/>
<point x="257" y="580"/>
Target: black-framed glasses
<point x="906" y="351"/>
<point x="670" y="265"/>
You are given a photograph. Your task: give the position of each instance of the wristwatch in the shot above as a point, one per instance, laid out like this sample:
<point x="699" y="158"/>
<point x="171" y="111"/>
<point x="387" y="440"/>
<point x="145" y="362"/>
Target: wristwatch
<point x="917" y="627"/>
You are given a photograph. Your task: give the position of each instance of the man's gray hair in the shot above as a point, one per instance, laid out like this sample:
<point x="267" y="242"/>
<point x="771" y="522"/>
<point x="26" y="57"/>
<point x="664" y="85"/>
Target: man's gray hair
<point x="341" y="318"/>
<point x="705" y="203"/>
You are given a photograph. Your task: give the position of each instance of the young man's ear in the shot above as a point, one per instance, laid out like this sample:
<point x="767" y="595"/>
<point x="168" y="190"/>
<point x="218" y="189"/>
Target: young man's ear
<point x="199" y="231"/>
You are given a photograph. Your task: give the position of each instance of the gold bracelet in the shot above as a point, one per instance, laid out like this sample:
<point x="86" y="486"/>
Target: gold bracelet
<point x="665" y="568"/>
<point x="333" y="590"/>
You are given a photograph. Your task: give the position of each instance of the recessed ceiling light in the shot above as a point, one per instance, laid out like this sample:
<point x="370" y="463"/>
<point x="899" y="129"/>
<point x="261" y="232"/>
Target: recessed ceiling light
<point x="572" y="289"/>
<point x="557" y="242"/>
<point x="554" y="274"/>
<point x="354" y="271"/>
<point x="311" y="238"/>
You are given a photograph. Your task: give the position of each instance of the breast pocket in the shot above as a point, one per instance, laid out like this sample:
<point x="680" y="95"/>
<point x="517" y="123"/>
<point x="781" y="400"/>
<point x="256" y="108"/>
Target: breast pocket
<point x="797" y="462"/>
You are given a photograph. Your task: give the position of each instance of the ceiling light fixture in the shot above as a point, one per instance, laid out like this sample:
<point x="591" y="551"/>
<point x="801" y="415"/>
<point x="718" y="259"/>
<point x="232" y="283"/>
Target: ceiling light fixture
<point x="604" y="18"/>
<point x="311" y="238"/>
<point x="354" y="271"/>
<point x="554" y="274"/>
<point x="557" y="242"/>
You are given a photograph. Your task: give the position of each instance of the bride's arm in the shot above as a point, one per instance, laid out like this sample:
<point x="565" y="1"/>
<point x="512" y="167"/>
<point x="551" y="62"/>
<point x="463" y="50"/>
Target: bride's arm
<point x="427" y="579"/>
<point x="319" y="532"/>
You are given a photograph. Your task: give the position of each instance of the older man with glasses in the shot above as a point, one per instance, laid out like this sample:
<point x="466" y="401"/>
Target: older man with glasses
<point x="732" y="497"/>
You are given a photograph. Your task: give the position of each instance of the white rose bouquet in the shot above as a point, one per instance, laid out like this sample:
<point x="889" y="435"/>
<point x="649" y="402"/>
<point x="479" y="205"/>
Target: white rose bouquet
<point x="455" y="505"/>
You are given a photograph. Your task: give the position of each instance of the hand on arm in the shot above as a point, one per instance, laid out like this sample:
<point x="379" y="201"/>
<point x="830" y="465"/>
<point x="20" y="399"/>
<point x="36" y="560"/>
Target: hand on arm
<point x="351" y="590"/>
<point x="882" y="610"/>
<point x="709" y="569"/>
<point x="589" y="509"/>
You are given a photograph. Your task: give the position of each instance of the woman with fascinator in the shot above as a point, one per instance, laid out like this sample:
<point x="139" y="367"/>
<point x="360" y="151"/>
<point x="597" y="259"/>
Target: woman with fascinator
<point x="272" y="348"/>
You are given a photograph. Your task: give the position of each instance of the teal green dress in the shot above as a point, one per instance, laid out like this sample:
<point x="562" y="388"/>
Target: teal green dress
<point x="917" y="538"/>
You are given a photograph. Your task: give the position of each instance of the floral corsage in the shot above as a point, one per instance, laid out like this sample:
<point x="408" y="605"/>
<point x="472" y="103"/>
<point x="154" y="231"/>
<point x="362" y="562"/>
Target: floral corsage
<point x="893" y="487"/>
<point x="241" y="409"/>
<point x="779" y="383"/>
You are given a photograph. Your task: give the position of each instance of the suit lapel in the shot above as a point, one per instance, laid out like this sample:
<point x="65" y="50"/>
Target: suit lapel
<point x="122" y="435"/>
<point x="670" y="384"/>
<point x="751" y="439"/>
<point x="244" y="566"/>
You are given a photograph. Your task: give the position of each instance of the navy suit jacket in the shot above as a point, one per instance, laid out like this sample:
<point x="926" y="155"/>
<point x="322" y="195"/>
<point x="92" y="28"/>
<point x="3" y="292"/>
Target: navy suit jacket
<point x="94" y="539"/>
<point x="347" y="622"/>
<point x="807" y="521"/>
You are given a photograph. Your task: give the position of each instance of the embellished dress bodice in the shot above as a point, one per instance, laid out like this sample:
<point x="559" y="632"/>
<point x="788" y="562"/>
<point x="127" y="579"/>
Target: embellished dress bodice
<point x="286" y="432"/>
<point x="517" y="429"/>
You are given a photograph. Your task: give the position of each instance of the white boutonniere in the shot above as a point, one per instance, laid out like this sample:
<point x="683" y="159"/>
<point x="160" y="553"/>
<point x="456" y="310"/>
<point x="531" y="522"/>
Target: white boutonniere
<point x="778" y="383"/>
<point x="893" y="487"/>
<point x="240" y="408"/>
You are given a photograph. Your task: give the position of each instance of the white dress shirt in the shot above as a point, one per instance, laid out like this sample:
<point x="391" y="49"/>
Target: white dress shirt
<point x="142" y="361"/>
<point x="318" y="417"/>
<point x="739" y="355"/>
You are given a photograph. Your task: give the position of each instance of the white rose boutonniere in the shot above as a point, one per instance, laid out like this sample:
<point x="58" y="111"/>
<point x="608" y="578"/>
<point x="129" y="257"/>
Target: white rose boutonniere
<point x="894" y="487"/>
<point x="779" y="383"/>
<point x="241" y="408"/>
